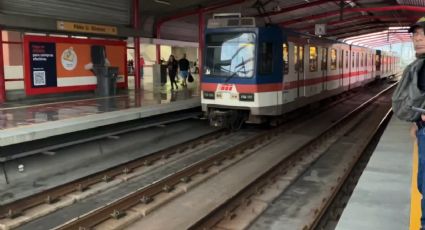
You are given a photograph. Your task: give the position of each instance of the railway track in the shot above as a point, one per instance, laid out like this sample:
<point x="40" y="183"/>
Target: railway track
<point x="120" y="208"/>
<point x="297" y="204"/>
<point x="14" y="214"/>
<point x="28" y="209"/>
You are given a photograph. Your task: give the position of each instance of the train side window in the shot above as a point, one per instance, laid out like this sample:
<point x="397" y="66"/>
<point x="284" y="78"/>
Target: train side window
<point x="346" y="59"/>
<point x="313" y="59"/>
<point x="353" y="61"/>
<point x="333" y="59"/>
<point x="357" y="60"/>
<point x="266" y="58"/>
<point x="301" y="55"/>
<point x="285" y="58"/>
<point x="361" y="60"/>
<point x="341" y="59"/>
<point x="365" y="61"/>
<point x="296" y="58"/>
<point x="325" y="59"/>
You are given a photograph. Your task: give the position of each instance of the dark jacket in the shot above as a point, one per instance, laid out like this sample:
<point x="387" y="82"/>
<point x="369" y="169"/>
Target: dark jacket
<point x="184" y="64"/>
<point x="172" y="67"/>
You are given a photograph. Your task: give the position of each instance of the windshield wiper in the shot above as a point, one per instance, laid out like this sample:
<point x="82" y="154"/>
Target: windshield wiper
<point x="242" y="66"/>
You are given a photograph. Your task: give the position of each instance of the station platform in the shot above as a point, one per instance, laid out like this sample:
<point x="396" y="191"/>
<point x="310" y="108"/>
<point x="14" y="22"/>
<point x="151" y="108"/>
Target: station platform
<point x="33" y="119"/>
<point x="383" y="196"/>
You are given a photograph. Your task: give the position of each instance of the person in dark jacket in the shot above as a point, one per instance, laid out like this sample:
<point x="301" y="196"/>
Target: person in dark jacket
<point x="172" y="67"/>
<point x="184" y="69"/>
<point x="418" y="128"/>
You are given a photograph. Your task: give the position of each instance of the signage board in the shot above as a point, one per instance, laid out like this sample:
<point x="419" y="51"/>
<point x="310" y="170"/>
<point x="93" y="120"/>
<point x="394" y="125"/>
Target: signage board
<point x="86" y="28"/>
<point x="320" y="29"/>
<point x="57" y="65"/>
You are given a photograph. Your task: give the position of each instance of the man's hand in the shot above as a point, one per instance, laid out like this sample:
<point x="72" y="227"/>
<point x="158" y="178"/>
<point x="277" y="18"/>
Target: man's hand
<point x="413" y="131"/>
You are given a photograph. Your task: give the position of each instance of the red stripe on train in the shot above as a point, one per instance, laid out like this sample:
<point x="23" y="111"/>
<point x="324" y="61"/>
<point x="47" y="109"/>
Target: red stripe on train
<point x="250" y="88"/>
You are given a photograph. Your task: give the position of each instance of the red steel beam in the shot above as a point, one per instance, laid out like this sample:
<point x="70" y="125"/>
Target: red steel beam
<point x="293" y="8"/>
<point x="376" y="44"/>
<point x="358" y="18"/>
<point x="361" y="32"/>
<point x="186" y="14"/>
<point x="361" y="26"/>
<point x="383" y="35"/>
<point x="201" y="29"/>
<point x="357" y="30"/>
<point x="2" y="77"/>
<point x="136" y="40"/>
<point x="351" y="10"/>
<point x="378" y="33"/>
<point x="381" y="40"/>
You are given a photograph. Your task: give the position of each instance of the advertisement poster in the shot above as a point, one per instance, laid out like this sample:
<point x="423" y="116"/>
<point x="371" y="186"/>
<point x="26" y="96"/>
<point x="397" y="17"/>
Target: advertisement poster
<point x="58" y="65"/>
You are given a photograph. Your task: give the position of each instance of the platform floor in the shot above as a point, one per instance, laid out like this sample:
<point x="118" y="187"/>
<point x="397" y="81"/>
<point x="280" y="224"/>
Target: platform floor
<point x="33" y="119"/>
<point x="382" y="197"/>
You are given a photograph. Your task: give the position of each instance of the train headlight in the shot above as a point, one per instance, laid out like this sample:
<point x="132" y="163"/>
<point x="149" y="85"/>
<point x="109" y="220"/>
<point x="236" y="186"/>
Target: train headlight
<point x="246" y="97"/>
<point x="208" y="95"/>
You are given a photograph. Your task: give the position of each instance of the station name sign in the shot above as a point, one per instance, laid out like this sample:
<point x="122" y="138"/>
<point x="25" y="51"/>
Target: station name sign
<point x="86" y="28"/>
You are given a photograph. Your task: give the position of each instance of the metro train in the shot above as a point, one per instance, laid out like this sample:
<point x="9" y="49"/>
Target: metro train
<point x="254" y="73"/>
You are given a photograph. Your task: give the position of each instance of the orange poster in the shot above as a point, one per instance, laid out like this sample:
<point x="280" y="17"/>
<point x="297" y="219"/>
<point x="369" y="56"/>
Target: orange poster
<point x="54" y="65"/>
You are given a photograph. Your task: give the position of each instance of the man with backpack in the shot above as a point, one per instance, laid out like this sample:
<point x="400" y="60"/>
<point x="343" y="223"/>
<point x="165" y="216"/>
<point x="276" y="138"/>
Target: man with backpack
<point x="408" y="100"/>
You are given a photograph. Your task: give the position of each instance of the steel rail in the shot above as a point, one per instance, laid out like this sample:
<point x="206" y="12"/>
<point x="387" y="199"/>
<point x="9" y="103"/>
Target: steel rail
<point x="344" y="178"/>
<point x="51" y="195"/>
<point x="226" y="210"/>
<point x="117" y="208"/>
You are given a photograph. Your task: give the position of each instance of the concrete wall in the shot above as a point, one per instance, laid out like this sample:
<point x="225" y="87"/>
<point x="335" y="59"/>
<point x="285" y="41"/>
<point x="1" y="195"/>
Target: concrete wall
<point x="13" y="60"/>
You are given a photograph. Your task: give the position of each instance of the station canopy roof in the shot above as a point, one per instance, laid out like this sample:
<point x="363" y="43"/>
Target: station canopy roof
<point x="347" y="20"/>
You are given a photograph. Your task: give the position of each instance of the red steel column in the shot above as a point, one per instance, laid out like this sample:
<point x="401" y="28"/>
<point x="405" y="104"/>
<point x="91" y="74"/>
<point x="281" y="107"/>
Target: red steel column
<point x="158" y="47"/>
<point x="201" y="36"/>
<point x="136" y="25"/>
<point x="2" y="81"/>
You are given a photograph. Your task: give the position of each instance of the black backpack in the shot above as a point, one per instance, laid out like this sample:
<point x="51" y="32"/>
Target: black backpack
<point x="407" y="93"/>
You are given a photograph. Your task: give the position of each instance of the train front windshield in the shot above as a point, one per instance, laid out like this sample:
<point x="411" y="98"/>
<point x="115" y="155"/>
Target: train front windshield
<point x="230" y="55"/>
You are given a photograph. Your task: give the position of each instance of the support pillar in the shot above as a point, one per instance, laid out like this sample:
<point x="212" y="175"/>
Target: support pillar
<point x="136" y="41"/>
<point x="158" y="46"/>
<point x="201" y="37"/>
<point x="2" y="77"/>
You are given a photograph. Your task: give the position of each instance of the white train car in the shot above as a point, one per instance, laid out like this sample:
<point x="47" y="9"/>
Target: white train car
<point x="254" y="73"/>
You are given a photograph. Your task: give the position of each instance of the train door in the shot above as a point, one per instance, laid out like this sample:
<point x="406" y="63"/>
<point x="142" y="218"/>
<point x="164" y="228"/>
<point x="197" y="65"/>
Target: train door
<point x="287" y="74"/>
<point x="341" y="69"/>
<point x="299" y="68"/>
<point x="324" y="68"/>
<point x="357" y="67"/>
<point x="378" y="63"/>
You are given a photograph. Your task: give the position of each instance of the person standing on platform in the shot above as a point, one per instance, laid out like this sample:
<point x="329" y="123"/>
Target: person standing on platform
<point x="172" y="67"/>
<point x="418" y="128"/>
<point x="142" y="64"/>
<point x="184" y="69"/>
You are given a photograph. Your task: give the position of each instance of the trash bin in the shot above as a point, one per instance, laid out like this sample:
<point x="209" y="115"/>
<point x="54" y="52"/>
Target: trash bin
<point x="163" y="74"/>
<point x="106" y="80"/>
<point x="159" y="75"/>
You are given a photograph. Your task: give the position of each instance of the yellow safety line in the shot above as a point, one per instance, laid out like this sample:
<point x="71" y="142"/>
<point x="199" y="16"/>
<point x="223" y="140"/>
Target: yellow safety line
<point x="415" y="203"/>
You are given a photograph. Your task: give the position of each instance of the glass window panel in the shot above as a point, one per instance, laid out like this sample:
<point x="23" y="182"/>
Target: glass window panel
<point x="230" y="54"/>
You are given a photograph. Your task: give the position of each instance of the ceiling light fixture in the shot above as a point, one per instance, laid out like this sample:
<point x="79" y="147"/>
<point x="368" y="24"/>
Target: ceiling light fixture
<point x="163" y="2"/>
